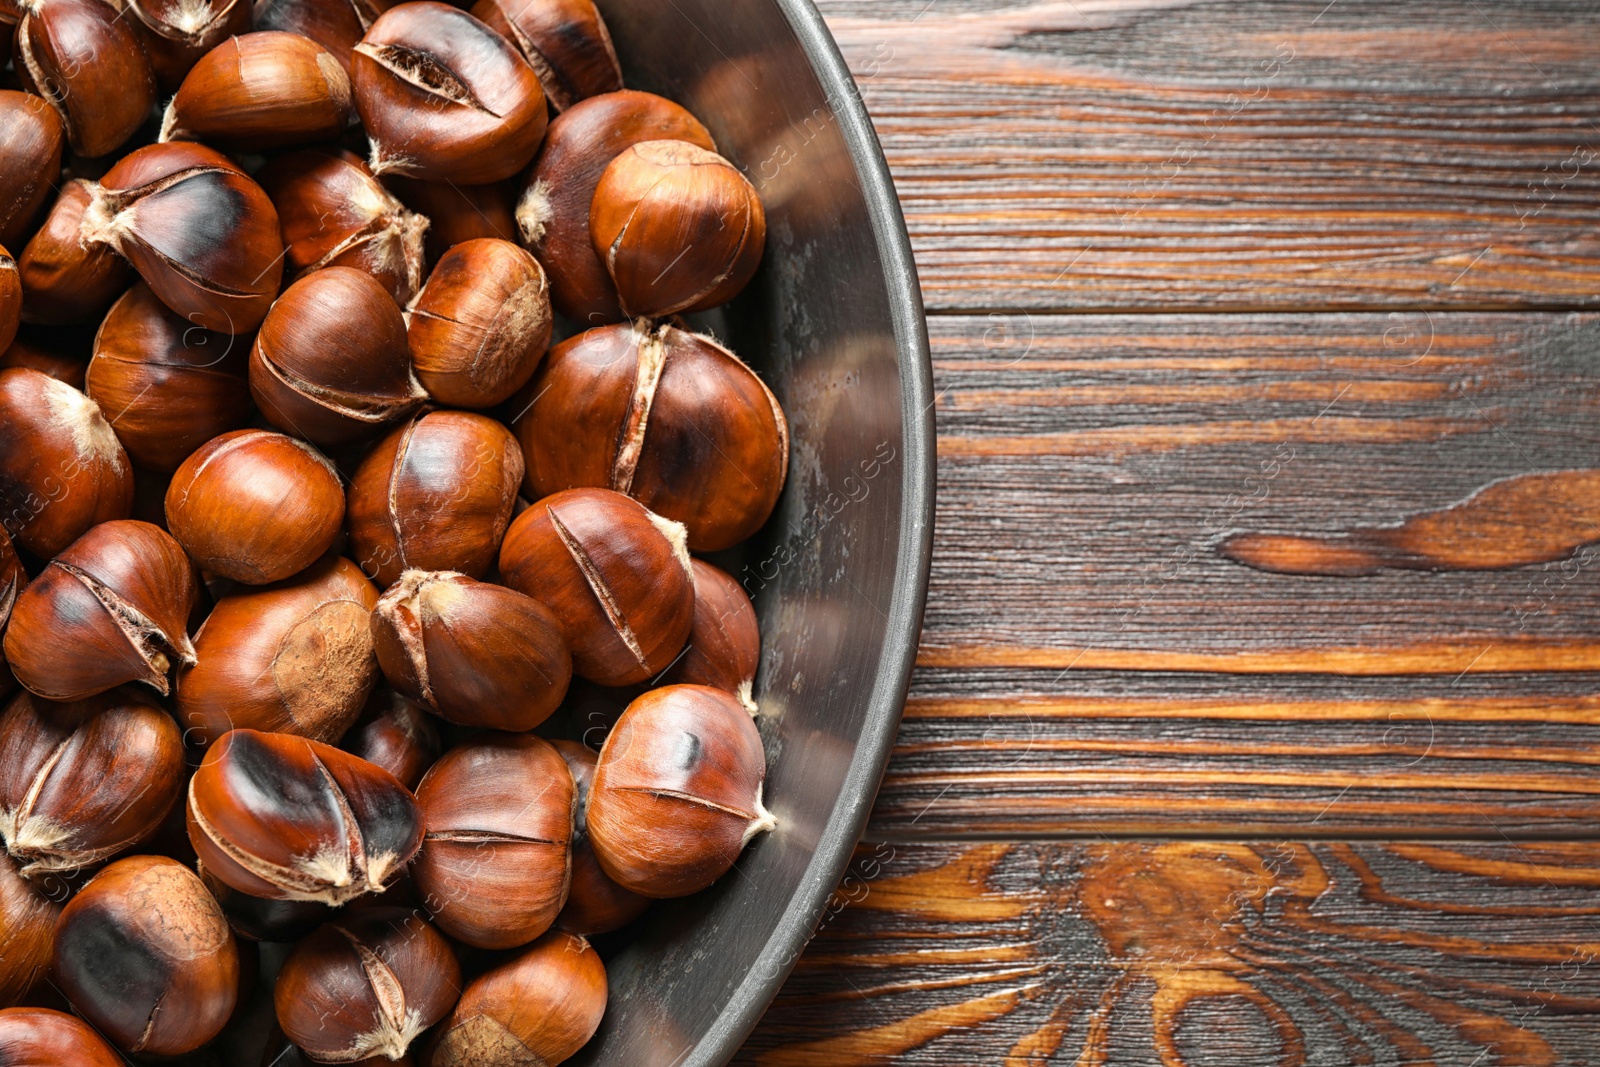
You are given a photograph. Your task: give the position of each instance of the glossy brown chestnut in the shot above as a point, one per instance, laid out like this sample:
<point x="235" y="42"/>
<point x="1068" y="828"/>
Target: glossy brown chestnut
<point x="176" y="33"/>
<point x="81" y="782"/>
<point x="678" y="228"/>
<point x="173" y="386"/>
<point x="614" y="573"/>
<point x="367" y="984"/>
<point x="677" y="793"/>
<point x="27" y="924"/>
<point x="538" y="1008"/>
<point x="66" y="278"/>
<point x="444" y="97"/>
<point x="334" y="24"/>
<point x="495" y="860"/>
<point x="565" y="42"/>
<point x="259" y="91"/>
<point x="553" y="212"/>
<point x="10" y="299"/>
<point x="473" y="653"/>
<point x="255" y="506"/>
<point x="62" y="469"/>
<point x="395" y="734"/>
<point x="331" y="362"/>
<point x="112" y="608"/>
<point x="46" y="357"/>
<point x="436" y="494"/>
<point x="84" y="58"/>
<point x="259" y="919"/>
<point x="335" y="213"/>
<point x="31" y="136"/>
<point x="458" y="213"/>
<point x="595" y="904"/>
<point x="669" y="417"/>
<point x="481" y="323"/>
<point x="295" y="657"/>
<point x="725" y="642"/>
<point x="196" y="228"/>
<point x="288" y="818"/>
<point x="33" y="1037"/>
<point x="144" y="953"/>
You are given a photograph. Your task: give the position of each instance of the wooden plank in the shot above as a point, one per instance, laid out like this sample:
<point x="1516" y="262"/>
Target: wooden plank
<point x="1192" y="954"/>
<point x="1099" y="655"/>
<point x="1238" y="154"/>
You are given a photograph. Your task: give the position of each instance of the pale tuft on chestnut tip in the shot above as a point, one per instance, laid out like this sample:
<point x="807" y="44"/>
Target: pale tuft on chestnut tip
<point x="534" y="211"/>
<point x="677" y="535"/>
<point x="764" y="820"/>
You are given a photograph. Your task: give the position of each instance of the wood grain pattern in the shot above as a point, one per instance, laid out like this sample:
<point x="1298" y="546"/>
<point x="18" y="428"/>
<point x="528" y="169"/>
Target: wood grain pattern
<point x="1198" y="954"/>
<point x="1242" y="154"/>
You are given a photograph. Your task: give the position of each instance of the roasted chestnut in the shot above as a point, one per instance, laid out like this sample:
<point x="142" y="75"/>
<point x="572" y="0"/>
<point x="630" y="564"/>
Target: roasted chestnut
<point x="367" y="984"/>
<point x="30" y="162"/>
<point x="565" y="42"/>
<point x="334" y="24"/>
<point x="677" y="793"/>
<point x="62" y="469"/>
<point x="495" y="859"/>
<point x="27" y="923"/>
<point x="334" y="213"/>
<point x="458" y="213"/>
<point x="255" y="506"/>
<point x="724" y="647"/>
<point x="397" y="735"/>
<point x="480" y="324"/>
<point x="595" y="904"/>
<point x="196" y="228"/>
<point x="288" y="818"/>
<point x="66" y="278"/>
<point x="112" y="608"/>
<point x="82" y="57"/>
<point x="444" y="97"/>
<point x="669" y="417"/>
<point x="11" y="299"/>
<point x="553" y="212"/>
<point x="261" y="90"/>
<point x="614" y="573"/>
<point x="473" y="653"/>
<point x="331" y="363"/>
<point x="538" y="1008"/>
<point x="678" y="228"/>
<point x="176" y="33"/>
<point x="170" y="386"/>
<point x="436" y="494"/>
<point x="30" y="1036"/>
<point x="144" y="953"/>
<point x="81" y="782"/>
<point x="295" y="657"/>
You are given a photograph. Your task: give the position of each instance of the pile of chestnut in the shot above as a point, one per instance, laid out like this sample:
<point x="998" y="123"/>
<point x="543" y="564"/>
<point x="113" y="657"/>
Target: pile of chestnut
<point x="349" y="625"/>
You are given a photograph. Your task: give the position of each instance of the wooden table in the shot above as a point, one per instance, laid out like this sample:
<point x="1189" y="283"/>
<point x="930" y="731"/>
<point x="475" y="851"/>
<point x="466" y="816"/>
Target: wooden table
<point x="1258" y="708"/>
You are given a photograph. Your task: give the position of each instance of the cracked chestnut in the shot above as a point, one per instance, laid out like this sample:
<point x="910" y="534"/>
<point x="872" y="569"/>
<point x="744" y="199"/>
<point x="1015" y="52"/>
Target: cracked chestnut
<point x="334" y="213"/>
<point x="481" y="324"/>
<point x="85" y="59"/>
<point x="677" y="792"/>
<point x="366" y="984"/>
<point x="294" y="657"/>
<point x="110" y="609"/>
<point x="565" y="42"/>
<point x="539" y="1008"/>
<point x="394" y="733"/>
<point x="444" y="97"/>
<point x="82" y="782"/>
<point x="331" y="362"/>
<point x="595" y="904"/>
<point x="436" y="495"/>
<point x="176" y="33"/>
<point x="30" y="1036"/>
<point x="288" y="818"/>
<point x="255" y="506"/>
<point x="470" y="652"/>
<point x="495" y="859"/>
<point x="553" y="210"/>
<point x="259" y="91"/>
<point x="615" y="574"/>
<point x="31" y="137"/>
<point x="66" y="278"/>
<point x="173" y="385"/>
<point x="670" y="418"/>
<point x="144" y="954"/>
